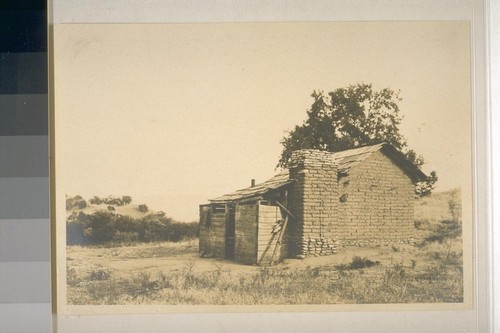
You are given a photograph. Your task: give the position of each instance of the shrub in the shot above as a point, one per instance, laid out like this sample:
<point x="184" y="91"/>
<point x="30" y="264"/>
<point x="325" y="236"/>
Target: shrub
<point x="99" y="275"/>
<point x="95" y="200"/>
<point x="106" y="227"/>
<point x="395" y="248"/>
<point x="69" y="203"/>
<point x="125" y="223"/>
<point x="358" y="262"/>
<point x="72" y="278"/>
<point x="182" y="231"/>
<point x="422" y="224"/>
<point x="83" y="217"/>
<point x="76" y="201"/>
<point x="445" y="230"/>
<point x="110" y="200"/>
<point x="74" y="233"/>
<point x="125" y="237"/>
<point x="155" y="229"/>
<point x="143" y="208"/>
<point x="126" y="199"/>
<point x="76" y="224"/>
<point x="455" y="206"/>
<point x="102" y="226"/>
<point x="394" y="273"/>
<point x="143" y="284"/>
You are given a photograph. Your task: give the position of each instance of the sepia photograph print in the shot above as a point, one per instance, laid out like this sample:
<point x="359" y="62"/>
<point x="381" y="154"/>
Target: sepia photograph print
<point x="315" y="166"/>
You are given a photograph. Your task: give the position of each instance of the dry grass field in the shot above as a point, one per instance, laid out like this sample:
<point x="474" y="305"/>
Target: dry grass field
<point x="429" y="271"/>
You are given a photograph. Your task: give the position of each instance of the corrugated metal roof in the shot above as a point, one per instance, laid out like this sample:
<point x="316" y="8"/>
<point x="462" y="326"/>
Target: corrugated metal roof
<point x="345" y="160"/>
<point x="258" y="190"/>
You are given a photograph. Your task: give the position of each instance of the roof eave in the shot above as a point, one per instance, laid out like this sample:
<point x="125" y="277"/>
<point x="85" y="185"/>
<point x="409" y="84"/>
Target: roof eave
<point x="408" y="167"/>
<point x="252" y="196"/>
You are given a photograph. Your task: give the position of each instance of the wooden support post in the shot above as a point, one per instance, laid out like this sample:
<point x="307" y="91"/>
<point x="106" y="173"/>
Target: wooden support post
<point x="267" y="249"/>
<point x="280" y="237"/>
<point x="283" y="228"/>
<point x="286" y="210"/>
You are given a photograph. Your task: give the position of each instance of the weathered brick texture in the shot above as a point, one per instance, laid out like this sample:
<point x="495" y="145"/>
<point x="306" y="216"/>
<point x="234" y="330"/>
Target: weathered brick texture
<point x="370" y="203"/>
<point x="375" y="203"/>
<point x="314" y="202"/>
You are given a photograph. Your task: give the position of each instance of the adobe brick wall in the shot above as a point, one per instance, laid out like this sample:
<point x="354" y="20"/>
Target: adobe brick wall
<point x="373" y="203"/>
<point x="314" y="201"/>
<point x="376" y="203"/>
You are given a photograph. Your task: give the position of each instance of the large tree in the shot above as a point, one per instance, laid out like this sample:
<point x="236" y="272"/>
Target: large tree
<point x="351" y="117"/>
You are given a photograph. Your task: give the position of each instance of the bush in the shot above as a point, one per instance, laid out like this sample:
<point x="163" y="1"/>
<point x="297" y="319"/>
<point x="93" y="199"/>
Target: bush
<point x="102" y="227"/>
<point x="95" y="200"/>
<point x="74" y="233"/>
<point x="106" y="227"/>
<point x="422" y="224"/>
<point x="110" y="200"/>
<point x="445" y="230"/>
<point x="126" y="199"/>
<point x="76" y="224"/>
<point x="155" y="229"/>
<point x="125" y="237"/>
<point x="75" y="202"/>
<point x="143" y="208"/>
<point x="99" y="275"/>
<point x="183" y="231"/>
<point x="72" y="278"/>
<point x="358" y="262"/>
<point x="125" y="223"/>
<point x="455" y="207"/>
<point x="69" y="203"/>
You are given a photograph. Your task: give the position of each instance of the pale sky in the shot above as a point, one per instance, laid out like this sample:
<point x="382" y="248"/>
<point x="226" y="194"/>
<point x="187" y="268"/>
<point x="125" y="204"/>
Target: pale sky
<point x="175" y="114"/>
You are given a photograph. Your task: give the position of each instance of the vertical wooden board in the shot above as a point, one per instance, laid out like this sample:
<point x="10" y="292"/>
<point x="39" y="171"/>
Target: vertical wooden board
<point x="204" y="225"/>
<point x="268" y="216"/>
<point x="212" y="236"/>
<point x="245" y="233"/>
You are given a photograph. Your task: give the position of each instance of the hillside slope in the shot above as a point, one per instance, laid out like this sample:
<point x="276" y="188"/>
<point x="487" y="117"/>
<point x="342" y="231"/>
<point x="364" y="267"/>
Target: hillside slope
<point x="439" y="206"/>
<point x="79" y="204"/>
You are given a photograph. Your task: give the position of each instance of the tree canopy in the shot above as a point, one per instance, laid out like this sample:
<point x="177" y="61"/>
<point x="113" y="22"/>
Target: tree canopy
<point x="352" y="117"/>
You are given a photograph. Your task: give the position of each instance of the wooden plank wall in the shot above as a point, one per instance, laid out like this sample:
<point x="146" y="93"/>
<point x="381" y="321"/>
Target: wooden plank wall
<point x="246" y="233"/>
<point x="268" y="216"/>
<point x="212" y="233"/>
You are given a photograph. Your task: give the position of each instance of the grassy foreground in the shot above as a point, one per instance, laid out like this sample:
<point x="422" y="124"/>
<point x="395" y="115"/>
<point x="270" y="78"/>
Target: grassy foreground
<point x="427" y="274"/>
<point x="429" y="271"/>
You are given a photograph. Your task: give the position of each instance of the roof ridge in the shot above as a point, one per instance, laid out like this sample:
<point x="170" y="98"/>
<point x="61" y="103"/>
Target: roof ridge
<point x="345" y="159"/>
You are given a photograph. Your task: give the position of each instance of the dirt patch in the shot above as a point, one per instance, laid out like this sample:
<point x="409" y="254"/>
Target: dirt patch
<point x="174" y="273"/>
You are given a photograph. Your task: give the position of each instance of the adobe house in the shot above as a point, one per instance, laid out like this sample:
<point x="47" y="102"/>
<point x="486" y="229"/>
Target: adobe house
<point x="324" y="201"/>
